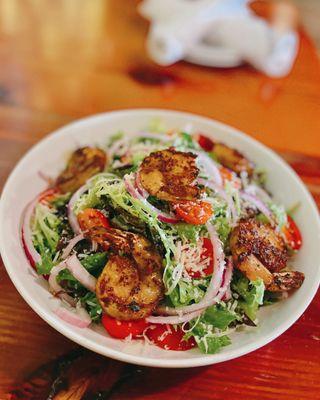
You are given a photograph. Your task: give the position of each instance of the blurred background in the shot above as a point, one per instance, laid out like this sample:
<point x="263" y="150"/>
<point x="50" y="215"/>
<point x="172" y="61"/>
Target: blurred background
<point x="310" y="11"/>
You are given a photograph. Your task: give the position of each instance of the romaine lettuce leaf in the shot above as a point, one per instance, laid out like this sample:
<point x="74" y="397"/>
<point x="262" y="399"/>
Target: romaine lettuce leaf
<point x="209" y="329"/>
<point x="92" y="305"/>
<point x="211" y="344"/>
<point x="251" y="294"/>
<point x="219" y="316"/>
<point x="186" y="293"/>
<point x="46" y="228"/>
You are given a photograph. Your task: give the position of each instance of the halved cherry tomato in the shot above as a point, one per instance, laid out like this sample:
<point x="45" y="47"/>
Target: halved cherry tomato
<point x="122" y="329"/>
<point x="207" y="252"/>
<point x="48" y="195"/>
<point x="292" y="234"/>
<point x="206" y="143"/>
<point x="193" y="212"/>
<point x="169" y="337"/>
<point x="91" y="218"/>
<point x="228" y="176"/>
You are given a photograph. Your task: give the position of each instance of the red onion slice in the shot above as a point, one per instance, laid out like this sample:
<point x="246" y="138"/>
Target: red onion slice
<point x="147" y="135"/>
<point x="80" y="273"/>
<point x="77" y="317"/>
<point x="67" y="250"/>
<point x="173" y="320"/>
<point x="211" y="296"/>
<point x="141" y="189"/>
<point x="209" y="166"/>
<point x="56" y="289"/>
<point x="164" y="217"/>
<point x="225" y="291"/>
<point x="222" y="193"/>
<point x="258" y="192"/>
<point x="73" y="221"/>
<point x="26" y="235"/>
<point x="259" y="204"/>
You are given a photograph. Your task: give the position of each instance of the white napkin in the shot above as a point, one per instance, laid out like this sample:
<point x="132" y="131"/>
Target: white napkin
<point x="219" y="33"/>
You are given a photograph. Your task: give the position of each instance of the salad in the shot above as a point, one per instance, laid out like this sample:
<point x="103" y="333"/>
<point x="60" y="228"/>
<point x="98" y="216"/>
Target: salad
<point x="163" y="236"/>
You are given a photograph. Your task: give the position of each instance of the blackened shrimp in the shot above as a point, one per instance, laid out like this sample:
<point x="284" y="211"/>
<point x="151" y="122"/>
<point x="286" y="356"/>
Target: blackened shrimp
<point x="232" y="159"/>
<point x="170" y="175"/>
<point x="82" y="165"/>
<point x="130" y="285"/>
<point x="260" y="252"/>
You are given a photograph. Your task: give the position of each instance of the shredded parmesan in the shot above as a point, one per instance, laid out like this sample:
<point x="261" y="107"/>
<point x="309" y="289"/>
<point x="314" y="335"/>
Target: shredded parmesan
<point x="189" y="257"/>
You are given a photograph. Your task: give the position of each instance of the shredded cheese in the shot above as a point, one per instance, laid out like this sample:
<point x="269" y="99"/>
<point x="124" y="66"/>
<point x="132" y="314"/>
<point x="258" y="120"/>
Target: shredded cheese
<point x="189" y="257"/>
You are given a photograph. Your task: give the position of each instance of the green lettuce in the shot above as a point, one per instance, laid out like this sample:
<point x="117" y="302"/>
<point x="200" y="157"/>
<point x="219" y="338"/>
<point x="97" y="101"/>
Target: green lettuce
<point x="280" y="213"/>
<point x="188" y="232"/>
<point x="184" y="142"/>
<point x="46" y="229"/>
<point x="92" y="305"/>
<point x="211" y="343"/>
<point x="108" y="189"/>
<point x="209" y="330"/>
<point x="187" y="292"/>
<point x="250" y="294"/>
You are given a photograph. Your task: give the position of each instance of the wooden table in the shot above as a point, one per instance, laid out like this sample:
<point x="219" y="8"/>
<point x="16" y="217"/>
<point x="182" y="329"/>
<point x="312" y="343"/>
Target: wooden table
<point x="60" y="60"/>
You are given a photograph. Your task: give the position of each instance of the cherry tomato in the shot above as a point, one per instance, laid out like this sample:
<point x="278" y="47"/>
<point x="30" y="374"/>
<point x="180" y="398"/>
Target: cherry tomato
<point x="193" y="212"/>
<point x="292" y="234"/>
<point x="169" y="337"/>
<point x="205" y="143"/>
<point x="91" y="218"/>
<point x="48" y="195"/>
<point x="228" y="176"/>
<point x="207" y="252"/>
<point x="122" y="329"/>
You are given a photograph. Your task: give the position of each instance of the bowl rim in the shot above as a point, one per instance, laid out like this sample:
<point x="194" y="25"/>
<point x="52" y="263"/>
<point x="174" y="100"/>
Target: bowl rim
<point x="202" y="360"/>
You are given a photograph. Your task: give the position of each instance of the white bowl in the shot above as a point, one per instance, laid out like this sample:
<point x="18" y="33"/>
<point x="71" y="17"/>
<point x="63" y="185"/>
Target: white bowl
<point x="49" y="156"/>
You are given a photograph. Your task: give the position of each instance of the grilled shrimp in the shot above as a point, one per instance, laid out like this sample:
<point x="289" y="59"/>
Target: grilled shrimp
<point x="286" y="280"/>
<point x="170" y="174"/>
<point x="260" y="252"/>
<point x="232" y="159"/>
<point x="130" y="285"/>
<point x="261" y="240"/>
<point x="82" y="165"/>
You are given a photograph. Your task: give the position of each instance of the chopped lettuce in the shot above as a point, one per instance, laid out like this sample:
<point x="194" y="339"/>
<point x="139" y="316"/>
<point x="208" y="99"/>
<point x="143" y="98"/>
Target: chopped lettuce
<point x="117" y="136"/>
<point x="280" y="213"/>
<point x="92" y="305"/>
<point x="187" y="292"/>
<point x="250" y="294"/>
<point x="184" y="142"/>
<point x="188" y="232"/>
<point x="46" y="229"/>
<point x="219" y="316"/>
<point x="93" y="263"/>
<point x="211" y="343"/>
<point x="108" y="189"/>
<point x="209" y="330"/>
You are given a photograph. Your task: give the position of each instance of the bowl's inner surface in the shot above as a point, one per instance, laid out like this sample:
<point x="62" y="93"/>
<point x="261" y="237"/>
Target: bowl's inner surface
<point x="50" y="155"/>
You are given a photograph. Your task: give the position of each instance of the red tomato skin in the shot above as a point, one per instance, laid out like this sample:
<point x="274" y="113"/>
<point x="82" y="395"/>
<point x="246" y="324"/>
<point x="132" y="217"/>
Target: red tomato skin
<point x="90" y="217"/>
<point x="293" y="234"/>
<point x="122" y="329"/>
<point x="205" y="143"/>
<point x="193" y="212"/>
<point x="207" y="251"/>
<point x="173" y="340"/>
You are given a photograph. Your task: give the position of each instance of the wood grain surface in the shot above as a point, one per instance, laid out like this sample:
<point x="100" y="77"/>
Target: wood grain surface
<point x="60" y="60"/>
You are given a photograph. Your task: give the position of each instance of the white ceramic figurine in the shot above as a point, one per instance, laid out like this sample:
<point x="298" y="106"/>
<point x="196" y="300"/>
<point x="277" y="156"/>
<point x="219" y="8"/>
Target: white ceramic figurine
<point x="221" y="33"/>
